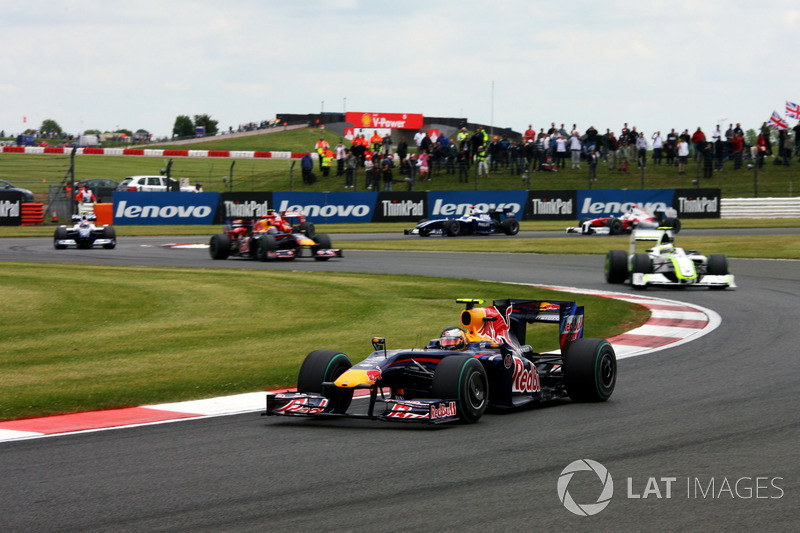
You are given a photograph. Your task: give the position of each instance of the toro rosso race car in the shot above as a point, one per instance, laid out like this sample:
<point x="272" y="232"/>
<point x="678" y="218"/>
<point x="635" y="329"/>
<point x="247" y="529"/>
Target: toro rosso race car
<point x="273" y="236"/>
<point x="84" y="234"/>
<point x="474" y="222"/>
<point x="635" y="218"/>
<point x="481" y="364"/>
<point x="666" y="264"/>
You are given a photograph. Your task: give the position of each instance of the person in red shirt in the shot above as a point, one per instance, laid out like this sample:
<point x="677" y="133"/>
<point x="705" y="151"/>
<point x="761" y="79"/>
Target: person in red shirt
<point x="737" y="145"/>
<point x="699" y="141"/>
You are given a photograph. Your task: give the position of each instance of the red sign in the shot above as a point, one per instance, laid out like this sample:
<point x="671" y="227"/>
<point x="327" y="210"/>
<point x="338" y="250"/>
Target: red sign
<point x="403" y="121"/>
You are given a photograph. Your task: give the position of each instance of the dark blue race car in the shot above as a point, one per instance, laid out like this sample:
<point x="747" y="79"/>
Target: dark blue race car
<point x="474" y="222"/>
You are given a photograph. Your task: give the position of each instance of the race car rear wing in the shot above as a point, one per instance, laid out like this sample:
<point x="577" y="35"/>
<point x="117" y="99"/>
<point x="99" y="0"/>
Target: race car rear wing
<point x="507" y="320"/>
<point x="657" y="236"/>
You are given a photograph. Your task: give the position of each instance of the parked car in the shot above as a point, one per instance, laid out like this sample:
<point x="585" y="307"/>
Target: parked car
<point x="8" y="186"/>
<point x="102" y="188"/>
<point x="151" y="184"/>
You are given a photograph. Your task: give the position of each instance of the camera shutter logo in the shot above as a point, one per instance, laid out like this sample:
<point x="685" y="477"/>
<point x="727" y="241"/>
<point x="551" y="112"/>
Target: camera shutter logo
<point x="586" y="509"/>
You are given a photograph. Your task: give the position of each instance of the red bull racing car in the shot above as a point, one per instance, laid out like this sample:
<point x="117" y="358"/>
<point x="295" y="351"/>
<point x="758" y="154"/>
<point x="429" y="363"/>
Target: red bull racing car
<point x="481" y="364"/>
<point x="273" y="236"/>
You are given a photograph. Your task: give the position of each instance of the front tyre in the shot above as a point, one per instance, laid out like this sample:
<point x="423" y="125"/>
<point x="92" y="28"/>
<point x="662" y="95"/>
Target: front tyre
<point x="323" y="243"/>
<point x="463" y="379"/>
<point x="220" y="246"/>
<point x="718" y="265"/>
<point x="452" y="228"/>
<point x="616" y="266"/>
<point x="590" y="370"/>
<point x="110" y="234"/>
<point x="59" y="235"/>
<point x="325" y="366"/>
<point x="268" y="244"/>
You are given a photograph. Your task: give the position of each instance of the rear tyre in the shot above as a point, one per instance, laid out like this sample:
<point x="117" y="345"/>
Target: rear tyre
<point x="59" y="235"/>
<point x="510" y="226"/>
<point x="590" y="370"/>
<point x="673" y="223"/>
<point x="220" y="246"/>
<point x="325" y="366"/>
<point x="463" y="379"/>
<point x="718" y="265"/>
<point x="323" y="243"/>
<point x="452" y="228"/>
<point x="267" y="244"/>
<point x="110" y="234"/>
<point x="616" y="266"/>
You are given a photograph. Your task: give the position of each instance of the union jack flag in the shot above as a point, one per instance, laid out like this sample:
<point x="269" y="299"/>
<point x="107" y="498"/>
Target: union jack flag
<point x="792" y="110"/>
<point x="776" y="122"/>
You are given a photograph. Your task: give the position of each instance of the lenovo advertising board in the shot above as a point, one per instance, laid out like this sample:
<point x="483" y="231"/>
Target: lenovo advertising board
<point x="328" y="207"/>
<point x="616" y="202"/>
<point x="454" y="204"/>
<point x="168" y="208"/>
<point x="10" y="208"/>
<point x="551" y="205"/>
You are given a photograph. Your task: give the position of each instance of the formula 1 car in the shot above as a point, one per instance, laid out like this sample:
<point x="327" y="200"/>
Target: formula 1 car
<point x="483" y="363"/>
<point x="272" y="236"/>
<point x="84" y="234"/>
<point x="635" y="218"/>
<point x="665" y="264"/>
<point x="474" y="222"/>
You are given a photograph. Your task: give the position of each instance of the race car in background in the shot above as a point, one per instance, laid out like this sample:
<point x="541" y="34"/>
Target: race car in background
<point x="473" y="222"/>
<point x="270" y="237"/>
<point x="667" y="265"/>
<point x="84" y="234"/>
<point x="484" y="363"/>
<point x="634" y="218"/>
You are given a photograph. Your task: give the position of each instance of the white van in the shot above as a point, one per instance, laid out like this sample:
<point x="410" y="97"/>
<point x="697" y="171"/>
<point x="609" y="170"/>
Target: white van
<point x="150" y="184"/>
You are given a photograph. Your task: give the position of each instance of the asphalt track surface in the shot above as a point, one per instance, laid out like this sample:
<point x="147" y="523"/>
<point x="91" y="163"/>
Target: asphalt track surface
<point x="713" y="424"/>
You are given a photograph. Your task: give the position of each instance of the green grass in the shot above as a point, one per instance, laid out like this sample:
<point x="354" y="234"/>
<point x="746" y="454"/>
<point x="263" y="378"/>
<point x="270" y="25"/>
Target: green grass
<point x="37" y="172"/>
<point x="79" y="338"/>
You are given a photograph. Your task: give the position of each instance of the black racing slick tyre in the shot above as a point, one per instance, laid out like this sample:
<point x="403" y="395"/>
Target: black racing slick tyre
<point x="673" y="223"/>
<point x="452" y="228"/>
<point x="464" y="380"/>
<point x="308" y="228"/>
<point x="322" y="366"/>
<point x="268" y="244"/>
<point x="60" y="235"/>
<point x="616" y="266"/>
<point x="220" y="246"/>
<point x="615" y="226"/>
<point x="510" y="226"/>
<point x="590" y="370"/>
<point x="323" y="243"/>
<point x="110" y="234"/>
<point x="718" y="265"/>
<point x="641" y="264"/>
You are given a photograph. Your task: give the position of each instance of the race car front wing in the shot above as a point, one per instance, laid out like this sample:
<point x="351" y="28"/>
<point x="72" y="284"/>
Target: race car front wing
<point x="299" y="404"/>
<point x="639" y="279"/>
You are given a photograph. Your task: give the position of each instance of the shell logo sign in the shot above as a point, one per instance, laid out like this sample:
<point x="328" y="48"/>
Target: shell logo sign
<point x="385" y="120"/>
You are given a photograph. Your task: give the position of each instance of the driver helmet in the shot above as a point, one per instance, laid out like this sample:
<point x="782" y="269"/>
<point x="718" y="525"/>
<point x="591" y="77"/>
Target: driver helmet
<point x="453" y="338"/>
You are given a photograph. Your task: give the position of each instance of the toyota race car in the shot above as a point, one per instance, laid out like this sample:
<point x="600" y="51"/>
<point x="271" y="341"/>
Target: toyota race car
<point x="270" y="237"/>
<point x="474" y="222"/>
<point x="84" y="234"/>
<point x="635" y="218"/>
<point x="482" y="364"/>
<point x="666" y="264"/>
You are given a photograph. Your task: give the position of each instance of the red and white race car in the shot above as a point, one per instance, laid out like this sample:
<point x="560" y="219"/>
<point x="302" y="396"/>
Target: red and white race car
<point x="635" y="218"/>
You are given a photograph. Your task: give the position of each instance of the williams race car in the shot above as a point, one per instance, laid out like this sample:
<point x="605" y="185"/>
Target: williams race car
<point x="273" y="236"/>
<point x="474" y="222"/>
<point x="666" y="264"/>
<point x="635" y="218"/>
<point x="483" y="363"/>
<point x="84" y="234"/>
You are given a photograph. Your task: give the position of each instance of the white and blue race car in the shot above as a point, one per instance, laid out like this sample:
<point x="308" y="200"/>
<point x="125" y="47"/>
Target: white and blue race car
<point x="473" y="222"/>
<point x="84" y="234"/>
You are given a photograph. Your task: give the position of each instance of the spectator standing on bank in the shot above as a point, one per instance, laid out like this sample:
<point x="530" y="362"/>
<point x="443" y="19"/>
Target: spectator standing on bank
<point x="307" y="168"/>
<point x="683" y="155"/>
<point x="611" y="147"/>
<point x="463" y="166"/>
<point x="351" y="162"/>
<point x="641" y="151"/>
<point x="658" y="146"/>
<point x="340" y="155"/>
<point x="575" y="149"/>
<point x="591" y="159"/>
<point x="480" y="157"/>
<point x="737" y="148"/>
<point x="561" y="151"/>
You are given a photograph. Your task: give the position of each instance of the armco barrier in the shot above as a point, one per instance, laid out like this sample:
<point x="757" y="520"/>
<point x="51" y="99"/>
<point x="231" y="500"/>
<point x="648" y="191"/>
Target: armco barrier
<point x="760" y="208"/>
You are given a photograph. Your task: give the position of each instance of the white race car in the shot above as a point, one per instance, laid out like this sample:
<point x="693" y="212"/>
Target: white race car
<point x="666" y="264"/>
<point x="84" y="234"/>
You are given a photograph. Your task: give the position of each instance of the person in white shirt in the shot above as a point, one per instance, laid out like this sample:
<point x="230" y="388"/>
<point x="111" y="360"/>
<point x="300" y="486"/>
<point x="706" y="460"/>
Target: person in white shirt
<point x="575" y="149"/>
<point x="658" y="145"/>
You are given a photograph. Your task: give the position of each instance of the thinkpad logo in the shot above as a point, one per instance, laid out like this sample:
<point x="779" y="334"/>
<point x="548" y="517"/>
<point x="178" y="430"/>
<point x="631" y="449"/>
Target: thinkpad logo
<point x="578" y="467"/>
